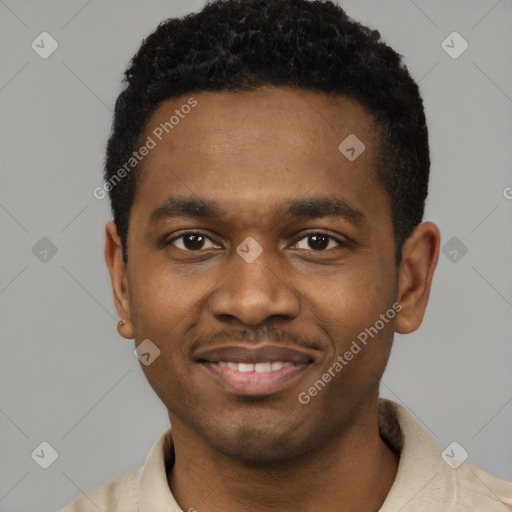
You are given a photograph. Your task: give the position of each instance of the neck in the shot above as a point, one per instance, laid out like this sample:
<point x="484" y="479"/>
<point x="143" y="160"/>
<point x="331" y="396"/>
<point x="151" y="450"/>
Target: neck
<point x="354" y="471"/>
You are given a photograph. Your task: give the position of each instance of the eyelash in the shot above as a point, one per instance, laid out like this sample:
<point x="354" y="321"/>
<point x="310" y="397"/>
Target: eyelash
<point x="183" y="235"/>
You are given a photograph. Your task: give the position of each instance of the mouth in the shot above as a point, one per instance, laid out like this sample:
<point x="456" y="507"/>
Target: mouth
<point x="255" y="371"/>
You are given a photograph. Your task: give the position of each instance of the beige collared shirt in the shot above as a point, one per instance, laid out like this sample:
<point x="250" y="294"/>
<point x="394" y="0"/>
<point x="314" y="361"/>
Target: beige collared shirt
<point x="424" y="482"/>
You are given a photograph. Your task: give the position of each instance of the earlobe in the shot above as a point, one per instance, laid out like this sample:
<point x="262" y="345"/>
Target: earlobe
<point x="118" y="278"/>
<point x="420" y="254"/>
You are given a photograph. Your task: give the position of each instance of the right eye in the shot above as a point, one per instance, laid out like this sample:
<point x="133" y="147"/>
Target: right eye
<point x="191" y="241"/>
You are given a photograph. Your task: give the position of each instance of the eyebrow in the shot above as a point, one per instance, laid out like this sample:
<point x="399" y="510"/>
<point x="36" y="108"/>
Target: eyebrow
<point x="311" y="208"/>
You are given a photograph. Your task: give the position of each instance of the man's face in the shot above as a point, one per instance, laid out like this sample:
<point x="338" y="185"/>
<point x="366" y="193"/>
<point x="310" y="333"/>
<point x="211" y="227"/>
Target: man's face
<point x="203" y="299"/>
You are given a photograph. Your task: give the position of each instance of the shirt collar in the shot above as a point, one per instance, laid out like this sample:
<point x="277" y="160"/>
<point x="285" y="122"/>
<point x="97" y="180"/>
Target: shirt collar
<point x="421" y="466"/>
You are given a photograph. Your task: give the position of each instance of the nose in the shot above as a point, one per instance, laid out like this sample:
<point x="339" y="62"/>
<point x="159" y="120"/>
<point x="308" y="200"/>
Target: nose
<point x="253" y="292"/>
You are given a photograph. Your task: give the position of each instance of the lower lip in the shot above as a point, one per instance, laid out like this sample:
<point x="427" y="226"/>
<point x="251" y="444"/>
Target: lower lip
<point x="255" y="383"/>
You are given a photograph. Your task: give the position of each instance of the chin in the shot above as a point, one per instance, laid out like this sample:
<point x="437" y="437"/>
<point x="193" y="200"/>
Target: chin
<point x="260" y="441"/>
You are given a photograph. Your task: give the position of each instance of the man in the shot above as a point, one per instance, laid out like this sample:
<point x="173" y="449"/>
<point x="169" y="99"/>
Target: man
<point x="267" y="169"/>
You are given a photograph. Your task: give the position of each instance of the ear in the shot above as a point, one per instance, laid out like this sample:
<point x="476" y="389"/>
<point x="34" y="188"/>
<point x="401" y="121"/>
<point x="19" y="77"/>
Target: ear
<point x="117" y="270"/>
<point x="420" y="254"/>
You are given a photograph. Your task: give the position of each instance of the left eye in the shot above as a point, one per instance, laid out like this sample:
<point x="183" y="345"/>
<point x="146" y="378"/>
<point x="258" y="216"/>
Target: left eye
<point x="318" y="241"/>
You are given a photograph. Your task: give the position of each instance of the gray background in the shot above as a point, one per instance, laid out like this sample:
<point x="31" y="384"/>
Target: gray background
<point x="67" y="378"/>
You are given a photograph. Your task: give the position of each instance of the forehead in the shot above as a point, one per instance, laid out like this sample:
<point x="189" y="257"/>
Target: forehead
<point x="257" y="147"/>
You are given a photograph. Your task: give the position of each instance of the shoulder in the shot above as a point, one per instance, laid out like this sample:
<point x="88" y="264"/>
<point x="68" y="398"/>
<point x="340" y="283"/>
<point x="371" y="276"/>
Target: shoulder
<point x="478" y="490"/>
<point x="113" y="496"/>
<point x="426" y="481"/>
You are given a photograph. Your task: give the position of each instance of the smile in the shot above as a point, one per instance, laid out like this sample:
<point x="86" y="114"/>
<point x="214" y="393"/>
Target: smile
<point x="255" y="371"/>
<point x="255" y="379"/>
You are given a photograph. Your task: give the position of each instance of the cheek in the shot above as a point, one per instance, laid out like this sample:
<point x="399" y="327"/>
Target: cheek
<point x="349" y="306"/>
<point x="158" y="299"/>
<point x="163" y="308"/>
<point x="159" y="313"/>
<point x="351" y="298"/>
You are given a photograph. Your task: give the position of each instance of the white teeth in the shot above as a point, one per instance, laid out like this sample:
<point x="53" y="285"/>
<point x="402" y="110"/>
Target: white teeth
<point x="257" y="367"/>
<point x="262" y="367"/>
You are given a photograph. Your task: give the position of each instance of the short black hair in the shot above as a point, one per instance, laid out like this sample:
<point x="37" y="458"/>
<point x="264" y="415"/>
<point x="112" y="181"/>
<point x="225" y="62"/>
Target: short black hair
<point x="239" y="45"/>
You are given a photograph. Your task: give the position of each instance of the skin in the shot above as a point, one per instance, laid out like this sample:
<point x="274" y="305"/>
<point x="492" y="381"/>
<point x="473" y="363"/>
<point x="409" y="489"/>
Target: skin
<point x="249" y="152"/>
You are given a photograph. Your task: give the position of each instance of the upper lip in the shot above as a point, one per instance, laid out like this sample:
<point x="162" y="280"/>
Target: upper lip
<point x="255" y="354"/>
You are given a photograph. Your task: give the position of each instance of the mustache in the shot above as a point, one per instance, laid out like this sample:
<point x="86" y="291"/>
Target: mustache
<point x="254" y="337"/>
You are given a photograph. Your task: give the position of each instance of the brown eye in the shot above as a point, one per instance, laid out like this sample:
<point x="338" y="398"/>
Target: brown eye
<point x="318" y="241"/>
<point x="191" y="242"/>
